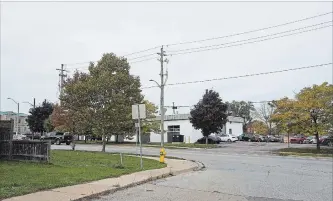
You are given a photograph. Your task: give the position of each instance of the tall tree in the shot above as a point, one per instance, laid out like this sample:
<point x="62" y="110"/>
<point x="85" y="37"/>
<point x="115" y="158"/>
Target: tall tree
<point x="48" y="127"/>
<point x="107" y="94"/>
<point x="264" y="113"/>
<point x="38" y="115"/>
<point x="297" y="111"/>
<point x="210" y="114"/>
<point x="150" y="124"/>
<point x="259" y="127"/>
<point x="241" y="109"/>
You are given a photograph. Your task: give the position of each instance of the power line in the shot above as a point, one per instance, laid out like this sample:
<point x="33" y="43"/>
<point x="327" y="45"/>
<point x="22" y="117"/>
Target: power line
<point x="241" y="76"/>
<point x="246" y="32"/>
<point x="139" y="61"/>
<point x="182" y="50"/>
<point x="145" y="50"/>
<point x="142" y="51"/>
<point x="251" y="41"/>
<point x="147" y="55"/>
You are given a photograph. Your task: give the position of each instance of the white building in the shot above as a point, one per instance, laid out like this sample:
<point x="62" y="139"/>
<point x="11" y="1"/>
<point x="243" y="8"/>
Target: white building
<point x="180" y="124"/>
<point x="22" y="123"/>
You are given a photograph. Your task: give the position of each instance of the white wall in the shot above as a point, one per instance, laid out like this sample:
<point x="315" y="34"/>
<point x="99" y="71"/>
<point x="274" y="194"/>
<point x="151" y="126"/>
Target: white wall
<point x="236" y="128"/>
<point x="190" y="134"/>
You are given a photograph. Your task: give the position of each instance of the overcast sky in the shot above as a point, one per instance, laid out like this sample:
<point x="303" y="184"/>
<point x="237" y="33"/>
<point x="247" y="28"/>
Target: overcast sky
<point x="36" y="38"/>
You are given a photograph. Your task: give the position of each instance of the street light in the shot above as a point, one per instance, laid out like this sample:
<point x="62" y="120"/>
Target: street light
<point x="162" y="110"/>
<point x="18" y="112"/>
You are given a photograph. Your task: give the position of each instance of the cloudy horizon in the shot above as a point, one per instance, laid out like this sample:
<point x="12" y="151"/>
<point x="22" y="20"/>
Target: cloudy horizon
<point x="36" y="38"/>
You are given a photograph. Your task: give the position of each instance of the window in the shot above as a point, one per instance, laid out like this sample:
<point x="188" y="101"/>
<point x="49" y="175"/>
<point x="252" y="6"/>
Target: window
<point x="230" y="131"/>
<point x="174" y="128"/>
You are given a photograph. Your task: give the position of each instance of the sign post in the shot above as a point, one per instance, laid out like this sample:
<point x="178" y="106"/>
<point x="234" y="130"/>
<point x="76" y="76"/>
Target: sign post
<point x="138" y="112"/>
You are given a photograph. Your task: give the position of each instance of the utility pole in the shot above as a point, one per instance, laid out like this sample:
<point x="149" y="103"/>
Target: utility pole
<point x="62" y="75"/>
<point x="162" y="84"/>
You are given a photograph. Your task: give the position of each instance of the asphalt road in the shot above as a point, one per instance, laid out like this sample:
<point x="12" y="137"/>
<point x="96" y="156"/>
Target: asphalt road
<point x="237" y="171"/>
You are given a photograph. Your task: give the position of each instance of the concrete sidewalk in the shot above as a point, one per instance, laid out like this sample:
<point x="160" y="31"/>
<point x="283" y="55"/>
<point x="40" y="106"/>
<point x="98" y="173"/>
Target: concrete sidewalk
<point x="88" y="190"/>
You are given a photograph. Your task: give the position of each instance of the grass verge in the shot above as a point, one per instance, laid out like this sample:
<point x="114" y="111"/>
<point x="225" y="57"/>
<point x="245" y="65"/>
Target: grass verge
<point x="323" y="152"/>
<point x="66" y="168"/>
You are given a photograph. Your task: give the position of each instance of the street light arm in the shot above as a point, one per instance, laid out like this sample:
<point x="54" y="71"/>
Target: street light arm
<point x="156" y="83"/>
<point x="12" y="100"/>
<point x="28" y="103"/>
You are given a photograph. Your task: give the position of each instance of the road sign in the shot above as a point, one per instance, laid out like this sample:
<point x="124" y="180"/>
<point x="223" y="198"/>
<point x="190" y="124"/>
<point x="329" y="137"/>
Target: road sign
<point x="135" y="111"/>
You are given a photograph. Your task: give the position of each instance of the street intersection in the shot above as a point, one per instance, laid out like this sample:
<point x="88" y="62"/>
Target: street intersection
<point x="238" y="171"/>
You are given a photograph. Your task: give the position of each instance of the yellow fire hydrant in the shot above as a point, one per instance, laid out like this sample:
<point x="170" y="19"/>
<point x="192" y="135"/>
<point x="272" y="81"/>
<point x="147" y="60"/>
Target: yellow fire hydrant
<point x="162" y="155"/>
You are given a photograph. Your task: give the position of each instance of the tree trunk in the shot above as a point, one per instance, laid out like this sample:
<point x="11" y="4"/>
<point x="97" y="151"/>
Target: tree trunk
<point x="103" y="138"/>
<point x="318" y="143"/>
<point x="207" y="140"/>
<point x="85" y="138"/>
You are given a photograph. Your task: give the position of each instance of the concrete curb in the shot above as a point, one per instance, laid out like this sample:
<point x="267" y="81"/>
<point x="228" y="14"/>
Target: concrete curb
<point x="200" y="166"/>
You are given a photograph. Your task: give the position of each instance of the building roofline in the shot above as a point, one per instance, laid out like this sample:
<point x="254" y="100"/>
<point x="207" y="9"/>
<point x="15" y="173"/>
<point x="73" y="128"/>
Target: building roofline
<point x="12" y="113"/>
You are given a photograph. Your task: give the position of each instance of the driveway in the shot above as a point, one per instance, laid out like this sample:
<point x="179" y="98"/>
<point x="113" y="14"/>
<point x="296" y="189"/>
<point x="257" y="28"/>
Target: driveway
<point x="237" y="171"/>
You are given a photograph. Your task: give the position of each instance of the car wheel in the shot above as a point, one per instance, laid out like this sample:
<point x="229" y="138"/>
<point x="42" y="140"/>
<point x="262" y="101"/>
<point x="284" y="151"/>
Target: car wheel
<point x="57" y="142"/>
<point x="228" y="140"/>
<point x="68" y="143"/>
<point x="330" y="144"/>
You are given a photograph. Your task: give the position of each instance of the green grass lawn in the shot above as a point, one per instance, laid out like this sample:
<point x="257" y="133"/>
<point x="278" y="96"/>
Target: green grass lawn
<point x="66" y="168"/>
<point x="323" y="152"/>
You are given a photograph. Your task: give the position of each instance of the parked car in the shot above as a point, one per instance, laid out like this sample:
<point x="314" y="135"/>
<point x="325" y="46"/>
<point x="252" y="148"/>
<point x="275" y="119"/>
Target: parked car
<point x="257" y="138"/>
<point x="228" y="138"/>
<point x="19" y="137"/>
<point x="322" y="138"/>
<point x="328" y="141"/>
<point x="310" y="140"/>
<point x="58" y="138"/>
<point x="297" y="139"/>
<point x="245" y="137"/>
<point x="271" y="138"/>
<point x="212" y="139"/>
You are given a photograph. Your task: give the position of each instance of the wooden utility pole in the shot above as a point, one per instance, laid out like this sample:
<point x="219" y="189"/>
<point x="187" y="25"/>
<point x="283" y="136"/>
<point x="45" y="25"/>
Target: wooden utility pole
<point x="161" y="85"/>
<point x="62" y="75"/>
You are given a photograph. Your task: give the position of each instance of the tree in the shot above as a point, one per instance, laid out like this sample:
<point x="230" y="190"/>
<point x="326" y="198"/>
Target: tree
<point x="150" y="124"/>
<point x="259" y="127"/>
<point x="264" y="113"/>
<point x="209" y="114"/>
<point x="105" y="95"/>
<point x="241" y="109"/>
<point x="38" y="115"/>
<point x="48" y="127"/>
<point x="60" y="119"/>
<point x="297" y="111"/>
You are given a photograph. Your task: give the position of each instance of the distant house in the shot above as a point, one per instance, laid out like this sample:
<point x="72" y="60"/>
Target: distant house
<point x="22" y="123"/>
<point x="180" y="124"/>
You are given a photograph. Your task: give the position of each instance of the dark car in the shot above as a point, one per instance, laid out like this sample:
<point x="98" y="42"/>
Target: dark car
<point x="245" y="137"/>
<point x="322" y="138"/>
<point x="211" y="140"/>
<point x="328" y="141"/>
<point x="272" y="138"/>
<point x="257" y="138"/>
<point x="58" y="138"/>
